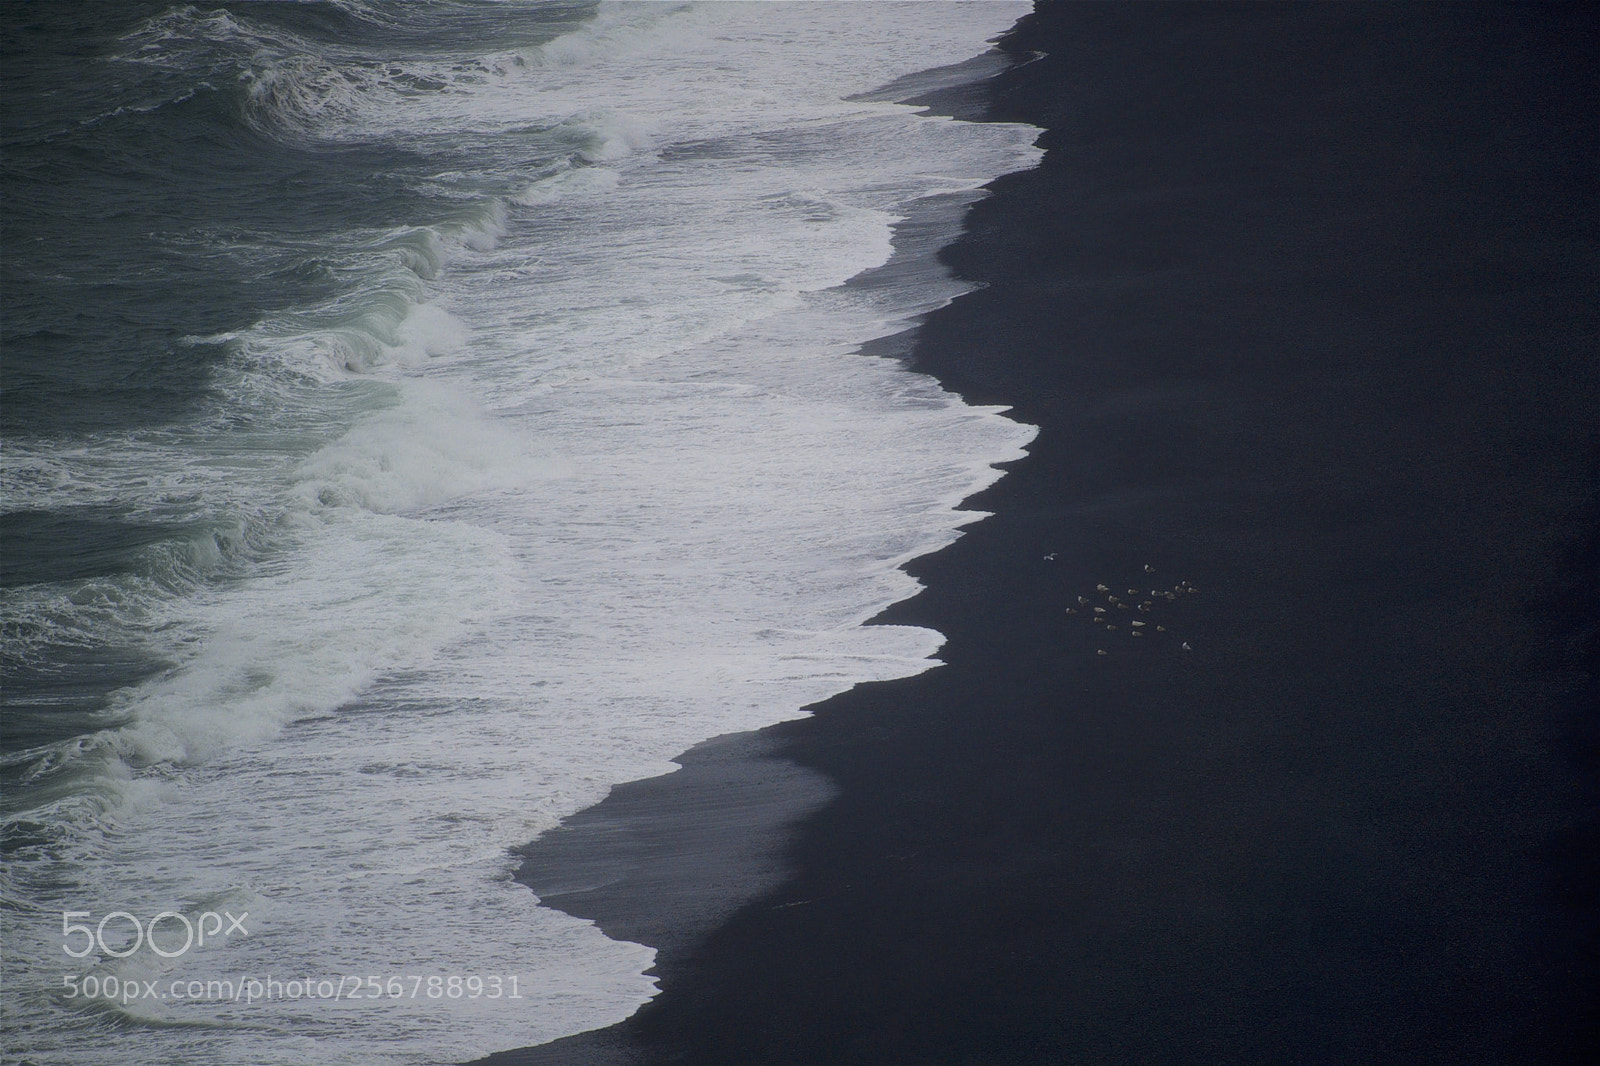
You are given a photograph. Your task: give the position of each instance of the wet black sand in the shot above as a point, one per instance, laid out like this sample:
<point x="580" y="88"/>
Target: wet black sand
<point x="1304" y="302"/>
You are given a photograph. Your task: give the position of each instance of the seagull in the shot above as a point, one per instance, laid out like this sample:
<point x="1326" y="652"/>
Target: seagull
<point x="1149" y="569"/>
<point x="1083" y="601"/>
<point x="1050" y="558"/>
<point x="1145" y="607"/>
<point x="1136" y="633"/>
<point x="1101" y="588"/>
<point x="1099" y="651"/>
<point x="1186" y="646"/>
<point x="1133" y="592"/>
<point x="1072" y="610"/>
<point x="1139" y="624"/>
<point x="1099" y="610"/>
<point x="1161" y="629"/>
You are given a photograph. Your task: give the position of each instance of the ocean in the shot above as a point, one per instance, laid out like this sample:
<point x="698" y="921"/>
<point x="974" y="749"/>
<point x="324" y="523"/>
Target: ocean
<point x="420" y="418"/>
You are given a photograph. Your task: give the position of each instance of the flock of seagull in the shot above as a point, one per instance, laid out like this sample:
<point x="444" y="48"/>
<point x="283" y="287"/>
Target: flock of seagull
<point x="1135" y="615"/>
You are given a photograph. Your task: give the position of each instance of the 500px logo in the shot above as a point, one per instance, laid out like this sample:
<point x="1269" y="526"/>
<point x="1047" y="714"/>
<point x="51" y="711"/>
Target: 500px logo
<point x="194" y="933"/>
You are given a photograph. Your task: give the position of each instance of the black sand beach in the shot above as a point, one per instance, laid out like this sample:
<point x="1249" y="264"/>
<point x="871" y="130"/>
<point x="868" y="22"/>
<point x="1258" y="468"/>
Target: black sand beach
<point x="1303" y="300"/>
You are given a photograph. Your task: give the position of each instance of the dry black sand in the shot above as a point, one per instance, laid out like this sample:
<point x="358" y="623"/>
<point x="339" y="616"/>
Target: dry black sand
<point x="1304" y="302"/>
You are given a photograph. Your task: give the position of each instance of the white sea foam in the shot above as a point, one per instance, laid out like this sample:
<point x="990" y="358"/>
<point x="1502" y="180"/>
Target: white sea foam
<point x="573" y="474"/>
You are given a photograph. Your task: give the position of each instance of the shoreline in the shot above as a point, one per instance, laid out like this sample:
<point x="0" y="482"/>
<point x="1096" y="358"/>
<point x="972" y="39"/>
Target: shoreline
<point x="635" y="863"/>
<point x="1298" y="299"/>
